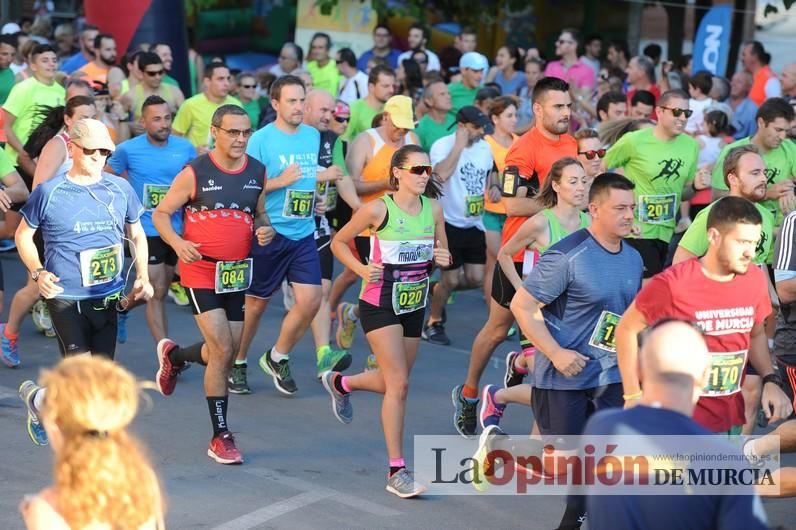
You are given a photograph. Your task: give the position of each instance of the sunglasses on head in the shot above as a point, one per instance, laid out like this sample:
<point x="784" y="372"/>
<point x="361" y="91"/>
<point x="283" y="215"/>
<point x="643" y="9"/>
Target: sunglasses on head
<point x="341" y="119"/>
<point x="417" y="170"/>
<point x="88" y="152"/>
<point x="599" y="153"/>
<point x="156" y="73"/>
<point x="679" y="112"/>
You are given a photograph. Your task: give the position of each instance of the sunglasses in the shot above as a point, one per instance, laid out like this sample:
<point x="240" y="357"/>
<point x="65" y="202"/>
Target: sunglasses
<point x="88" y="152"/>
<point x="417" y="170"/>
<point x="236" y="133"/>
<point x="342" y="119"/>
<point x="248" y="86"/>
<point x="153" y="74"/>
<point x="599" y="153"/>
<point x="679" y="112"/>
<point x="562" y="41"/>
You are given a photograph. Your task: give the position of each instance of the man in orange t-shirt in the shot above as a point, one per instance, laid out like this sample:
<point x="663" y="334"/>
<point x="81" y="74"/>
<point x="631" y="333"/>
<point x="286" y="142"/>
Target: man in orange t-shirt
<point x="533" y="155"/>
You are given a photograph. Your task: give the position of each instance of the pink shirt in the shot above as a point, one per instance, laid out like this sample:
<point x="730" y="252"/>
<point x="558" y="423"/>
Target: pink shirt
<point x="579" y="74"/>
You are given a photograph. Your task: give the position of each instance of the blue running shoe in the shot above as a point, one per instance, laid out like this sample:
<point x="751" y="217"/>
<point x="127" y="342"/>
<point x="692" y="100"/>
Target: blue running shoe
<point x="9" y="348"/>
<point x="27" y="391"/>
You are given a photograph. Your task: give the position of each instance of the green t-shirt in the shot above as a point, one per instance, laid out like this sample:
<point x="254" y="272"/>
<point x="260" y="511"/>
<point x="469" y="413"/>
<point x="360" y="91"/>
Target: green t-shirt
<point x="193" y="118"/>
<point x="170" y="80"/>
<point x="23" y="102"/>
<point x="780" y="165"/>
<point x="362" y="116"/>
<point x="461" y="96"/>
<point x="325" y="77"/>
<point x="430" y="131"/>
<point x="252" y="108"/>
<point x="695" y="239"/>
<point x="338" y="158"/>
<point x="6" y="166"/>
<point x="659" y="169"/>
<point x="6" y="83"/>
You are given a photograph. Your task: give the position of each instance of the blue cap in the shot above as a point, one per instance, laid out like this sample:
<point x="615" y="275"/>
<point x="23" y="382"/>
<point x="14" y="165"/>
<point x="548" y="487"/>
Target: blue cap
<point x="473" y="61"/>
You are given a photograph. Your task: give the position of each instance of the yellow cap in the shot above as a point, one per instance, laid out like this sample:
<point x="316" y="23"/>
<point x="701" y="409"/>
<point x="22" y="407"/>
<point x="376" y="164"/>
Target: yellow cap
<point x="401" y="113"/>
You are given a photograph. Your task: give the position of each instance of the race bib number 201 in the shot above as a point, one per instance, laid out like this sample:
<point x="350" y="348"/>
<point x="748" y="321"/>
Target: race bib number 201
<point x="100" y="265"/>
<point x="657" y="209"/>
<point x="604" y="335"/>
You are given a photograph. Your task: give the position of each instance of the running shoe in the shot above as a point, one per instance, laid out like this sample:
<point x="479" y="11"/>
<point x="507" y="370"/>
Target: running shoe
<point x="237" y="383"/>
<point x="47" y="321"/>
<point x="403" y="484"/>
<point x="121" y="326"/>
<point x="178" y="294"/>
<point x="371" y="363"/>
<point x="341" y="403"/>
<point x="279" y="372"/>
<point x="491" y="411"/>
<point x="334" y="360"/>
<point x="486" y="444"/>
<point x="465" y="417"/>
<point x="36" y="313"/>
<point x="166" y="377"/>
<point x="512" y="376"/>
<point x="27" y="391"/>
<point x="435" y="334"/>
<point x="222" y="449"/>
<point x="346" y="326"/>
<point x="10" y="348"/>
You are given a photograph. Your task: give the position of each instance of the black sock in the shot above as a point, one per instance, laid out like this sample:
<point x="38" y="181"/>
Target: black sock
<point x="189" y="354"/>
<point x="175" y="278"/>
<point x="395" y="469"/>
<point x="337" y="383"/>
<point x="574" y="514"/>
<point x="218" y="414"/>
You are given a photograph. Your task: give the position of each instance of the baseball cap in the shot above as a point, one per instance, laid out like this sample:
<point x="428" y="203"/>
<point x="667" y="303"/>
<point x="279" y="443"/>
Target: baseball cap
<point x="341" y="109"/>
<point x="473" y="61"/>
<point x="472" y="114"/>
<point x="10" y="28"/>
<point x="401" y="113"/>
<point x="91" y="134"/>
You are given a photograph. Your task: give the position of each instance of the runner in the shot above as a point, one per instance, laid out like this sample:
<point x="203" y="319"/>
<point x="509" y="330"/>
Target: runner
<point x="381" y="87"/>
<point x="661" y="162"/>
<point x="83" y="215"/>
<point x="462" y="162"/>
<point x="784" y="274"/>
<point x="569" y="307"/>
<point x="150" y="162"/>
<point x="404" y="226"/>
<point x="590" y="152"/>
<point x="531" y="158"/>
<point x="729" y="300"/>
<point x="222" y="193"/>
<point x="152" y="72"/>
<point x="289" y="150"/>
<point x="564" y="196"/>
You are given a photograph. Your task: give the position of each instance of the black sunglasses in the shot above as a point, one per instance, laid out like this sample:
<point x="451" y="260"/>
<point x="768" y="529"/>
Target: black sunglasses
<point x="341" y="119"/>
<point x="599" y="153"/>
<point x="679" y="112"/>
<point x="248" y="86"/>
<point x="153" y="74"/>
<point x="417" y="170"/>
<point x="88" y="152"/>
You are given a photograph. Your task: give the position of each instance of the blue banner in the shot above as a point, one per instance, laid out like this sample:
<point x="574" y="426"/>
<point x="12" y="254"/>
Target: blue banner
<point x="712" y="43"/>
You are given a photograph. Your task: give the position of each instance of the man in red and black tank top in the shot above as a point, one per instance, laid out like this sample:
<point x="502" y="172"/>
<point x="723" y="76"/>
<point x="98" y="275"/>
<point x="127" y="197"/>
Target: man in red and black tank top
<point x="222" y="194"/>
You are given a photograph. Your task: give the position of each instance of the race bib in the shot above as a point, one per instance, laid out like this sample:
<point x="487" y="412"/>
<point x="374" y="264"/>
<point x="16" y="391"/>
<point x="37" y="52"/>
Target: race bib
<point x="657" y="209"/>
<point x="473" y="205"/>
<point x="299" y="204"/>
<point x="233" y="276"/>
<point x="724" y="376"/>
<point x="100" y="265"/>
<point x="153" y="194"/>
<point x="604" y="334"/>
<point x="409" y="296"/>
<point x="331" y="198"/>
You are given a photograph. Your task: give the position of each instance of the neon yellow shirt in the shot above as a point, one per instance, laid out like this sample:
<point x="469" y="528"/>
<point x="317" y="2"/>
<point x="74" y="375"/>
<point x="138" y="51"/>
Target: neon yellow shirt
<point x="193" y="118"/>
<point x="23" y="102"/>
<point x="325" y="77"/>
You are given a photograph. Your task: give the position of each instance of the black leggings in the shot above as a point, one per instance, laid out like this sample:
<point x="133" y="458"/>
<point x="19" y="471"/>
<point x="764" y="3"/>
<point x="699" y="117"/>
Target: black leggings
<point x="84" y="326"/>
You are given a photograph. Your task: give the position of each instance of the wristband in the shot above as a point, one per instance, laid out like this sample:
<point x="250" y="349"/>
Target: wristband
<point x="773" y="378"/>
<point x="634" y="395"/>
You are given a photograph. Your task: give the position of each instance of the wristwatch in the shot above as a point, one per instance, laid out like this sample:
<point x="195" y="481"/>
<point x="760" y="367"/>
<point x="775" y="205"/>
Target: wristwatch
<point x="35" y="274"/>
<point x="773" y="378"/>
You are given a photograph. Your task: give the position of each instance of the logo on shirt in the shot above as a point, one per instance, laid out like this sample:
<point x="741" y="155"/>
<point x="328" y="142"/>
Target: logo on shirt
<point x="771" y="174"/>
<point x="212" y="186"/>
<point x="412" y="253"/>
<point x="761" y="245"/>
<point x="671" y="169"/>
<point x="253" y="185"/>
<point x="473" y="178"/>
<point x="726" y="320"/>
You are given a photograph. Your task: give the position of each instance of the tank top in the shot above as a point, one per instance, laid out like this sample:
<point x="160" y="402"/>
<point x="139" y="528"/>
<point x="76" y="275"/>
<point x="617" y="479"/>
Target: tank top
<point x="758" y="91"/>
<point x="220" y="216"/>
<point x="499" y="154"/>
<point x="404" y="245"/>
<point x="557" y="233"/>
<point x="378" y="168"/>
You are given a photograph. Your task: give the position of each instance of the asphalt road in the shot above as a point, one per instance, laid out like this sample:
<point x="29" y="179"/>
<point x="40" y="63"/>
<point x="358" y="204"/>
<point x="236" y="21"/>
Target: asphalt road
<point x="303" y="469"/>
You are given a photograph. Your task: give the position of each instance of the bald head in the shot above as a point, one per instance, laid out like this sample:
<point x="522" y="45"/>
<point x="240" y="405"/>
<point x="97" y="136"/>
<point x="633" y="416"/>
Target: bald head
<point x="318" y="107"/>
<point x="788" y="79"/>
<point x="674" y="355"/>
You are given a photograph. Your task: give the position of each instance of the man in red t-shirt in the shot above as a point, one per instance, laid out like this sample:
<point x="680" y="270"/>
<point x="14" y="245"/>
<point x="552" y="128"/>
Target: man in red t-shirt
<point x="533" y="155"/>
<point x="728" y="298"/>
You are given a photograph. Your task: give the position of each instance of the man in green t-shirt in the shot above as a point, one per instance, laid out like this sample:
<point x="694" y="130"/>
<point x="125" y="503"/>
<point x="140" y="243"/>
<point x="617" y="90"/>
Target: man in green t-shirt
<point x="437" y="122"/>
<point x="321" y="67"/>
<point x="8" y="47"/>
<point x="472" y="66"/>
<point x="661" y="161"/>
<point x="745" y="175"/>
<point x="193" y="118"/>
<point x="381" y="87"/>
<point x="773" y="123"/>
<point x="20" y="109"/>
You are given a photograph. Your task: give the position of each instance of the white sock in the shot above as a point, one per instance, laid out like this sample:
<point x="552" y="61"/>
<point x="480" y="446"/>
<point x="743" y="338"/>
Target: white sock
<point x="276" y="356"/>
<point x="351" y="313"/>
<point x="38" y="399"/>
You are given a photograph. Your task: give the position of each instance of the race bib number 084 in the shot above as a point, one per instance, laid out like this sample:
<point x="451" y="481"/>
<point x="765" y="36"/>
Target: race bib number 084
<point x="100" y="265"/>
<point x="233" y="276"/>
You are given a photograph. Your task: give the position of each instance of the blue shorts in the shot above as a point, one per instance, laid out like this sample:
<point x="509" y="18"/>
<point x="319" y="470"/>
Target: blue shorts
<point x="282" y="258"/>
<point x="565" y="412"/>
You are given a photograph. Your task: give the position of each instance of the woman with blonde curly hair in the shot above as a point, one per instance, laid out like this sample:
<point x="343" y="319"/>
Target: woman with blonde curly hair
<point x="102" y="477"/>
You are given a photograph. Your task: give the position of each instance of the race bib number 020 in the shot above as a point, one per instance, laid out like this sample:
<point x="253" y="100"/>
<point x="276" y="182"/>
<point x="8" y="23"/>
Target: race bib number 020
<point x="100" y="265"/>
<point x="657" y="209"/>
<point x="233" y="276"/>
<point x="724" y="376"/>
<point x="153" y="194"/>
<point x="409" y="296"/>
<point x="299" y="204"/>
<point x="604" y="335"/>
<point x="474" y="205"/>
